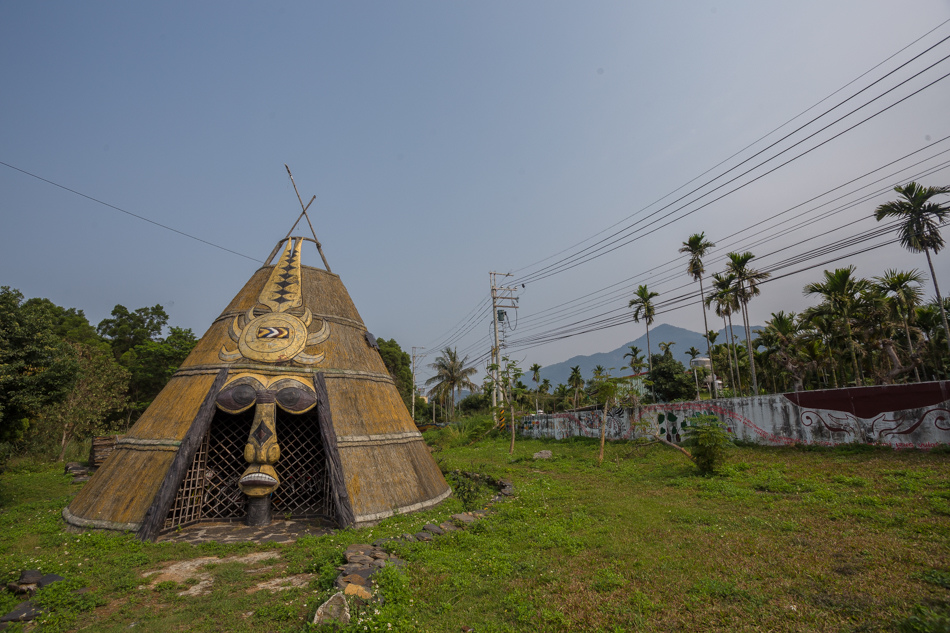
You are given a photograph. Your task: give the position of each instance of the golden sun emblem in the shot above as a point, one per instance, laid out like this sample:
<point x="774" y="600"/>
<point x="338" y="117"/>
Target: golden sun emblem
<point x="277" y="336"/>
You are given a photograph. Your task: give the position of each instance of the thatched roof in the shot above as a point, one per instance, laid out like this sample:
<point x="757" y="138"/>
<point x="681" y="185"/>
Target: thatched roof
<point x="355" y="457"/>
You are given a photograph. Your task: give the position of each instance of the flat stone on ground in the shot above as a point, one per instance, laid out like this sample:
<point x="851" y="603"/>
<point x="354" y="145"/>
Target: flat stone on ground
<point x="48" y="579"/>
<point x="355" y="579"/>
<point x="333" y="610"/>
<point x="24" y="612"/>
<point x="358" y="591"/>
<point x="434" y="529"/>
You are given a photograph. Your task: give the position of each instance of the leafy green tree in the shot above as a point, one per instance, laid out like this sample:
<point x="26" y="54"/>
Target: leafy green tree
<point x="151" y="364"/>
<point x="643" y="309"/>
<point x="127" y="329"/>
<point x="37" y="367"/>
<point x="399" y="365"/>
<point x="670" y="379"/>
<point x="70" y="324"/>
<point x="99" y="391"/>
<point x="709" y="441"/>
<point x="697" y="247"/>
<point x="451" y="375"/>
<point x="920" y="218"/>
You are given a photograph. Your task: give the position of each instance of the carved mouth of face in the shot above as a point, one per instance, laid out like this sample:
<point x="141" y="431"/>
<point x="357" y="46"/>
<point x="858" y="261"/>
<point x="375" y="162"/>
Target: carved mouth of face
<point x="258" y="479"/>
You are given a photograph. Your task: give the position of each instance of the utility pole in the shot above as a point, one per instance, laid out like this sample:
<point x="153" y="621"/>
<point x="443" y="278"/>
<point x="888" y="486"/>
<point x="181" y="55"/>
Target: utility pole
<point x="414" y="382"/>
<point x="501" y="297"/>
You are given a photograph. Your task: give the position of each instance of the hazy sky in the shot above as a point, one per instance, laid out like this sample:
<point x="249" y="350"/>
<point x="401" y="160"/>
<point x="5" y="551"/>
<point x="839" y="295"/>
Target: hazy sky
<point x="444" y="140"/>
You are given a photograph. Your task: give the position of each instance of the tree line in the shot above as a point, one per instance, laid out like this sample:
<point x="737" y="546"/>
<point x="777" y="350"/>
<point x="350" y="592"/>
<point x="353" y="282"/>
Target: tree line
<point x="861" y="331"/>
<point x="63" y="379"/>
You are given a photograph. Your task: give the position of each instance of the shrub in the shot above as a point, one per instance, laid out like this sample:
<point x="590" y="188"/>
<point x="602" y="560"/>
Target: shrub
<point x="709" y="441"/>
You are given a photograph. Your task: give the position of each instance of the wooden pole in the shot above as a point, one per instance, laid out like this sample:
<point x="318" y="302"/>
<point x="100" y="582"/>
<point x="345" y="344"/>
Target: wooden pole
<point x="303" y="214"/>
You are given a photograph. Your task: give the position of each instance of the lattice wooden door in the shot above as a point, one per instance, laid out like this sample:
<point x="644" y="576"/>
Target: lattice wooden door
<point x="303" y="469"/>
<point x="210" y="489"/>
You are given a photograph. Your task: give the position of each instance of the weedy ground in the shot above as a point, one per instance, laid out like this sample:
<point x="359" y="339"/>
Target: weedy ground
<point x="781" y="539"/>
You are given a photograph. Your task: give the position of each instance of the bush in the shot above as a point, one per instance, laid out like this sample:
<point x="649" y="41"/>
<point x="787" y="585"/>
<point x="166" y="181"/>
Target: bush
<point x="709" y="441"/>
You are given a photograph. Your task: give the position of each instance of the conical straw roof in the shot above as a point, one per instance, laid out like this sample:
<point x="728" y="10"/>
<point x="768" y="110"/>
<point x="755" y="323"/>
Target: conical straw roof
<point x="348" y="448"/>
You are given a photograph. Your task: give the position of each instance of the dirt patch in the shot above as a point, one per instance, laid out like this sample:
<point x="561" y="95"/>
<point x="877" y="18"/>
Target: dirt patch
<point x="192" y="570"/>
<point x="300" y="581"/>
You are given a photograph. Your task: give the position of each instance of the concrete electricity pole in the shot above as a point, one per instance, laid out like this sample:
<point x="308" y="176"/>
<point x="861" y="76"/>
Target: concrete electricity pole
<point x="501" y="297"/>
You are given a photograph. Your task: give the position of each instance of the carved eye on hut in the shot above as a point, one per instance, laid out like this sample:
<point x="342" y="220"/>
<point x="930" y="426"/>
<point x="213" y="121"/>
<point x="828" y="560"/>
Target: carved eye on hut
<point x="295" y="400"/>
<point x="236" y="399"/>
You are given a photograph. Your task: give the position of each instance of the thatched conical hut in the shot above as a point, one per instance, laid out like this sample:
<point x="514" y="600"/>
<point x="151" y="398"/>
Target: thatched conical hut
<point x="284" y="405"/>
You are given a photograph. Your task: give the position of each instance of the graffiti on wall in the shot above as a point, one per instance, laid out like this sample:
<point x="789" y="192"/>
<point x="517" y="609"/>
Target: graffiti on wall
<point x="865" y="414"/>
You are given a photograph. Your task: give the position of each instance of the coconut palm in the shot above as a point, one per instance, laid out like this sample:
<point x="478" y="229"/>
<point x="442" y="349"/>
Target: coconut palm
<point x="841" y="292"/>
<point x="636" y="360"/>
<point x="451" y="376"/>
<point x="696" y="246"/>
<point x="919" y="230"/>
<point x="903" y="290"/>
<point x="748" y="280"/>
<point x="575" y="381"/>
<point x="781" y="337"/>
<point x="724" y="294"/>
<point x="536" y="377"/>
<point x="643" y="308"/>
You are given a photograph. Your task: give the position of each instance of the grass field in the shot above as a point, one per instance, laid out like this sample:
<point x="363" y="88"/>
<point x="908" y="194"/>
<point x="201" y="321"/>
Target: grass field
<point x="782" y="540"/>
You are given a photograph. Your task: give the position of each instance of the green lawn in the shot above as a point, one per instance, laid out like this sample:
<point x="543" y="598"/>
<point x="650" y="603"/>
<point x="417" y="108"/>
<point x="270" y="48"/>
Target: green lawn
<point x="782" y="540"/>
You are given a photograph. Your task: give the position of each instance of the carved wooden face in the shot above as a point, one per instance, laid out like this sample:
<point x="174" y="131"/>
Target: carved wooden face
<point x="262" y="450"/>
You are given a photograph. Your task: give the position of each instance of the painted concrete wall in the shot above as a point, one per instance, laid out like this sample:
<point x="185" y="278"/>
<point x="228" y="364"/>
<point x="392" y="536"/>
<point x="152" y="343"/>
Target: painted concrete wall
<point x="903" y="416"/>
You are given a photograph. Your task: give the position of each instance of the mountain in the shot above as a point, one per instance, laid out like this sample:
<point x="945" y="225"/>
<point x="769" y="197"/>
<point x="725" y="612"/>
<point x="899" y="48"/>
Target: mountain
<point x="618" y="365"/>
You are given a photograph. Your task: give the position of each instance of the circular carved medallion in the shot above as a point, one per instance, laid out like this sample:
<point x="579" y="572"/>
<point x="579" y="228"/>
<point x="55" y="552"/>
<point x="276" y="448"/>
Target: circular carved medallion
<point x="273" y="338"/>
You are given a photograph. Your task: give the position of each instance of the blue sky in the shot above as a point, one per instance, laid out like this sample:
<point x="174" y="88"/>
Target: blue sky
<point x="442" y="140"/>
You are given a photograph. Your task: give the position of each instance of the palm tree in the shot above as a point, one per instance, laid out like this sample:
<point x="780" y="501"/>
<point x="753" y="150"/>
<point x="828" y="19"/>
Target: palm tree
<point x="667" y="348"/>
<point x="575" y="381"/>
<point x="693" y="353"/>
<point x="840" y="291"/>
<point x="725" y="295"/>
<point x="536" y="377"/>
<point x="643" y="308"/>
<point x="748" y="279"/>
<point x="451" y="375"/>
<point x="636" y="360"/>
<point x="696" y="246"/>
<point x="544" y="388"/>
<point x="781" y="338"/>
<point x="920" y="227"/>
<point x="904" y="298"/>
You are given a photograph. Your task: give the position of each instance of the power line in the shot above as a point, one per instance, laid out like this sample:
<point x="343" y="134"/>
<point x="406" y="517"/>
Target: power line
<point x="737" y="153"/>
<point x="134" y="215"/>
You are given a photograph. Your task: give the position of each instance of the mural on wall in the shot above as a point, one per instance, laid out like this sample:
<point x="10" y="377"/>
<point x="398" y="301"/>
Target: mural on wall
<point x="902" y="416"/>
